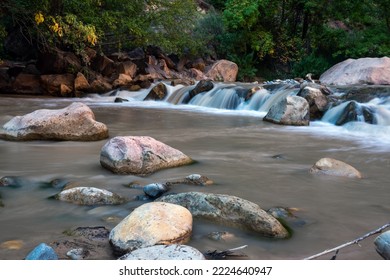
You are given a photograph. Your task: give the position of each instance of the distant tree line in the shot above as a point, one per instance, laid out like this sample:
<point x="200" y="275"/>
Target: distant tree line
<point x="264" y="37"/>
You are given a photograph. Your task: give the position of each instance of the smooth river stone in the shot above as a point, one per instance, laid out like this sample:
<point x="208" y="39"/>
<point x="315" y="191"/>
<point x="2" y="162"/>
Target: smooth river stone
<point x="74" y="123"/>
<point x="382" y="245"/>
<point x="139" y="155"/>
<point x="90" y="196"/>
<point x="154" y="223"/>
<point x="165" y="252"/>
<point x="334" y="167"/>
<point x="229" y="210"/>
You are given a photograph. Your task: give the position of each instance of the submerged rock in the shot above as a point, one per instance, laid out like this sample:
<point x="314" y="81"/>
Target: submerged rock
<point x="330" y="166"/>
<point x="165" y="252"/>
<point x="42" y="252"/>
<point x="74" y="123"/>
<point x="78" y="254"/>
<point x="153" y="223"/>
<point x="229" y="210"/>
<point x="382" y="245"/>
<point x="155" y="190"/>
<point x="293" y="110"/>
<point x="89" y="196"/>
<point x="139" y="155"/>
<point x="359" y="71"/>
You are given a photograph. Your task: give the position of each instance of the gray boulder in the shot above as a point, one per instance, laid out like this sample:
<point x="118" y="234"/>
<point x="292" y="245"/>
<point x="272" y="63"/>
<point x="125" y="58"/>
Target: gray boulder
<point x="165" y="252"/>
<point x="334" y="167"/>
<point x="90" y="196"/>
<point x="74" y="123"/>
<point x="373" y="71"/>
<point x="139" y="155"/>
<point x="382" y="245"/>
<point x="229" y="210"/>
<point x="292" y="110"/>
<point x="154" y="223"/>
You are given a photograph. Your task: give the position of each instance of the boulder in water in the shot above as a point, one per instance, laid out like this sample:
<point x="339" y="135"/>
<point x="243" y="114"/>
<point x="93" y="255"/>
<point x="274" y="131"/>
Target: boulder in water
<point x="372" y="71"/>
<point x="154" y="223"/>
<point x="155" y="190"/>
<point x="356" y="112"/>
<point x="201" y="86"/>
<point x="89" y="196"/>
<point x="165" y="252"/>
<point x="318" y="102"/>
<point x="330" y="166"/>
<point x="292" y="110"/>
<point x="158" y="92"/>
<point x="74" y="123"/>
<point x="229" y="210"/>
<point x="139" y="155"/>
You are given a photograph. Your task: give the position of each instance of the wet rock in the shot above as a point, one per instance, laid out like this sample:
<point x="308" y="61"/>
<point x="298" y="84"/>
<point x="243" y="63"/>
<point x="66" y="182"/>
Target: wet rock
<point x="356" y="112"/>
<point x="78" y="254"/>
<point x="89" y="196"/>
<point x="42" y="252"/>
<point x="197" y="179"/>
<point x="74" y="123"/>
<point x="128" y="68"/>
<point x="223" y="70"/>
<point x="359" y="71"/>
<point x="220" y="236"/>
<point x="318" y="102"/>
<point x="139" y="155"/>
<point x="165" y="252"/>
<point x="293" y="110"/>
<point x="382" y="245"/>
<point x="229" y="210"/>
<point x="158" y="92"/>
<point x="120" y="100"/>
<point x="201" y="86"/>
<point x="286" y="215"/>
<point x="333" y="167"/>
<point x="12" y="181"/>
<point x="156" y="189"/>
<point x="98" y="233"/>
<point x="100" y="85"/>
<point x="153" y="223"/>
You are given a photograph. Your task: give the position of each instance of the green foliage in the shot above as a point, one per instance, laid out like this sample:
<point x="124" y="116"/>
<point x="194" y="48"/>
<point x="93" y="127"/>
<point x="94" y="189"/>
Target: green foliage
<point x="310" y="64"/>
<point x="246" y="66"/>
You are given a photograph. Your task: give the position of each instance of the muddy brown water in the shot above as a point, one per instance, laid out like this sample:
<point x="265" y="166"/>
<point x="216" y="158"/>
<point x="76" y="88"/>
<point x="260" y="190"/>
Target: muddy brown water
<point x="236" y="151"/>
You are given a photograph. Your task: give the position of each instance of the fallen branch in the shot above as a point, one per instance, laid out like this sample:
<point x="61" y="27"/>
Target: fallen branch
<point x="219" y="255"/>
<point x="356" y="241"/>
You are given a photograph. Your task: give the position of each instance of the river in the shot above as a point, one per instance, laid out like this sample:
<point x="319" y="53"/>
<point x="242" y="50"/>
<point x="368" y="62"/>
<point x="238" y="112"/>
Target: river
<point x="262" y="162"/>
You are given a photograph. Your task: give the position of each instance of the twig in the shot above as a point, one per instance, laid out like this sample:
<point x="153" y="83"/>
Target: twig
<point x="356" y="241"/>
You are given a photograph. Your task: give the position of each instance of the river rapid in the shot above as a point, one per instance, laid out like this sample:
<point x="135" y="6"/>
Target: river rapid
<point x="265" y="163"/>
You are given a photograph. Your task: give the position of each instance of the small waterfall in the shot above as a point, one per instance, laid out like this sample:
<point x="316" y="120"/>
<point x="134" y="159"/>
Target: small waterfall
<point x="220" y="97"/>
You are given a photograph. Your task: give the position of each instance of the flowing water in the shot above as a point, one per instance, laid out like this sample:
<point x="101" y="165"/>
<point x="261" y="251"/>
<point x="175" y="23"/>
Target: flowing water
<point x="265" y="163"/>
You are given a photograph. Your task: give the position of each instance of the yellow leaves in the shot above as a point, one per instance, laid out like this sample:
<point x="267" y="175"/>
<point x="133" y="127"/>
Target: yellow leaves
<point x="92" y="39"/>
<point x="39" y="18"/>
<point x="56" y="28"/>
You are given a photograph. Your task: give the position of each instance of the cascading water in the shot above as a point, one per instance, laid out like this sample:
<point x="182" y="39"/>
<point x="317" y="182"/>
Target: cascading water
<point x="344" y="117"/>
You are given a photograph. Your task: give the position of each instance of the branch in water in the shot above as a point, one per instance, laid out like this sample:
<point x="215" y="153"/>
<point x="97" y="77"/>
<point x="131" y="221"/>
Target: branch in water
<point x="356" y="241"/>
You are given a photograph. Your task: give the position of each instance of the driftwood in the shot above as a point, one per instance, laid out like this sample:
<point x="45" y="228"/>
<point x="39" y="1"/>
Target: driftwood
<point x="355" y="241"/>
<point x="220" y="255"/>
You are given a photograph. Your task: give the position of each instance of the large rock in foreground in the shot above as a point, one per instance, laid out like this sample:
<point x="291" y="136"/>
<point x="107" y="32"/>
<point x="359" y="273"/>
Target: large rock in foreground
<point x="139" y="155"/>
<point x="165" y="252"/>
<point x="229" y="210"/>
<point x="74" y="123"/>
<point x="292" y="110"/>
<point x="334" y="167"/>
<point x="155" y="223"/>
<point x="373" y="71"/>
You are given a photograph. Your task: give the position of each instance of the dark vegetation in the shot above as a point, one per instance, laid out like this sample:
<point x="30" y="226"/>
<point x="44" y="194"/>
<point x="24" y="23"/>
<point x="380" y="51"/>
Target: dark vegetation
<point x="267" y="38"/>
